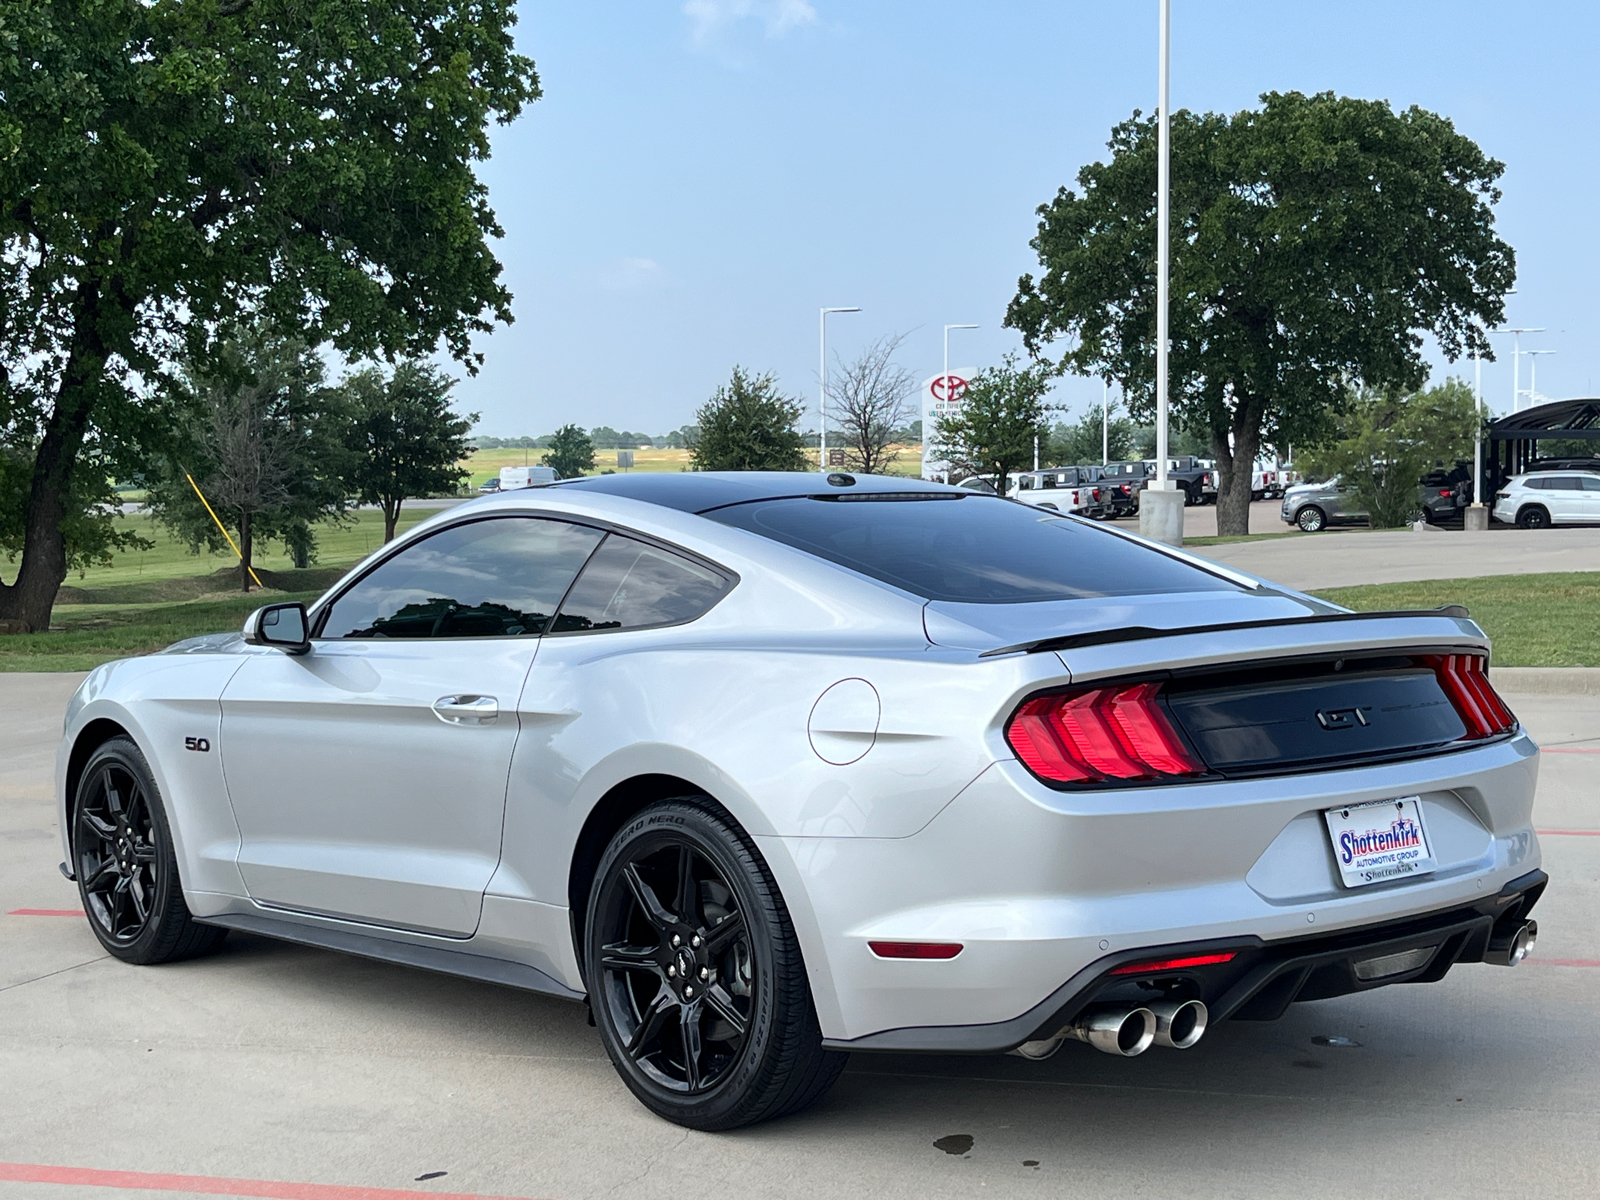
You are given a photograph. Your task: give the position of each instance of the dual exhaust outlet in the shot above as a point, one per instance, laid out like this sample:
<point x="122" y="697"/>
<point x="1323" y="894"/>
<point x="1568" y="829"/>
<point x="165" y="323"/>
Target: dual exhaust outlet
<point x="1128" y="1032"/>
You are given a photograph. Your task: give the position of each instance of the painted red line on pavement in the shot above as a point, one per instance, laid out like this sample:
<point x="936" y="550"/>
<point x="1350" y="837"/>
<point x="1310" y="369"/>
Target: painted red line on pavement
<point x="45" y="912"/>
<point x="206" y="1185"/>
<point x="1568" y="750"/>
<point x="1568" y="832"/>
<point x="1562" y="962"/>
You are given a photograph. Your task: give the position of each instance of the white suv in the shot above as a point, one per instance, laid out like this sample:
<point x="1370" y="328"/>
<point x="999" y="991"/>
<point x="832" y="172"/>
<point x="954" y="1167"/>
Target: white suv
<point x="1548" y="498"/>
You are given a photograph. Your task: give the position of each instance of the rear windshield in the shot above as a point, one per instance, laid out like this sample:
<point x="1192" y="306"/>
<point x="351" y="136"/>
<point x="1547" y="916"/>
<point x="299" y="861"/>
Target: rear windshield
<point x="968" y="549"/>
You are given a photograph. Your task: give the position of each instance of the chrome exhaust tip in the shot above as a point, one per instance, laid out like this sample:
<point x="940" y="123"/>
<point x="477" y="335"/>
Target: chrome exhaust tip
<point x="1511" y="949"/>
<point x="1039" y="1050"/>
<point x="1179" y="1023"/>
<point x="1125" y="1032"/>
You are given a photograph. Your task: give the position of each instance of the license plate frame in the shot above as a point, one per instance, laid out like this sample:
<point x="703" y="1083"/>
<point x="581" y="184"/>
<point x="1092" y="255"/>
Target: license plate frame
<point x="1379" y="841"/>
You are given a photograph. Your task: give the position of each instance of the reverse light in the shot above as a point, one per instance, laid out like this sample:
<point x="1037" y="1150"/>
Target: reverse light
<point x="935" y="950"/>
<point x="1466" y="683"/>
<point x="1118" y="732"/>
<point x="1174" y="964"/>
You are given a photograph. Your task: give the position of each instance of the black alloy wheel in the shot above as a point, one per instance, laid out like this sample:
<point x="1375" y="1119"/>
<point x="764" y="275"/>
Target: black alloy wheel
<point x="695" y="977"/>
<point x="1534" y="516"/>
<point x="123" y="860"/>
<point x="1311" y="518"/>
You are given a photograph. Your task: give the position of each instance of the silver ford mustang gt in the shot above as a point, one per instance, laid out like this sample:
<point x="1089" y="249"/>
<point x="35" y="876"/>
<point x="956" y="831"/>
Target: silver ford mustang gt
<point x="767" y="768"/>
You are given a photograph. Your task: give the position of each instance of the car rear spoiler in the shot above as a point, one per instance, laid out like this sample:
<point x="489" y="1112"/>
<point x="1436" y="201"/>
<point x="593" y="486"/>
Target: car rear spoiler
<point x="1137" y="633"/>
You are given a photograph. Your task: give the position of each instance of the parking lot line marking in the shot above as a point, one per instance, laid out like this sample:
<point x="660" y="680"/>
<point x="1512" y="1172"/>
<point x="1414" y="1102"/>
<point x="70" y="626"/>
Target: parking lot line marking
<point x="1563" y="962"/>
<point x="45" y="912"/>
<point x="1570" y="750"/>
<point x="207" y="1185"/>
<point x="1568" y="832"/>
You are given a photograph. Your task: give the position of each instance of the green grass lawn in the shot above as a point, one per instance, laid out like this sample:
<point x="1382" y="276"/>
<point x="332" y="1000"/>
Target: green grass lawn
<point x="1533" y="620"/>
<point x="149" y="599"/>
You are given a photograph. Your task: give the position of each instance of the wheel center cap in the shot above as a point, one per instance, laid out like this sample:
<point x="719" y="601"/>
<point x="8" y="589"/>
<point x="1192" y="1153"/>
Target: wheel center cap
<point x="685" y="966"/>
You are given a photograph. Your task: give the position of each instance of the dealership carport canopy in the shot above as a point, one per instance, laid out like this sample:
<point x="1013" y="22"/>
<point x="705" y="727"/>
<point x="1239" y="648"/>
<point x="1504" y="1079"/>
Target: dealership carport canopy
<point x="1514" y="439"/>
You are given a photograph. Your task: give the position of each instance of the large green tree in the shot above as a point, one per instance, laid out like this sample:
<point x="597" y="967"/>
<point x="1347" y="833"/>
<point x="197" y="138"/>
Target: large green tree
<point x="166" y="165"/>
<point x="1314" y="241"/>
<point x="571" y="452"/>
<point x="402" y="437"/>
<point x="1002" y="421"/>
<point x="748" y="425"/>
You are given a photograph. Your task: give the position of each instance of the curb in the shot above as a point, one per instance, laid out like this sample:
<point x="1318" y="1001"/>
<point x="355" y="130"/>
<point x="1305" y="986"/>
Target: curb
<point x="1547" y="681"/>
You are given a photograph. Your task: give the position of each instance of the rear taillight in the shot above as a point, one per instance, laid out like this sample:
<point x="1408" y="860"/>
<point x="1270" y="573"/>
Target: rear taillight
<point x="1464" y="680"/>
<point x="1447" y="491"/>
<point x="1118" y="732"/>
<point x="1502" y="495"/>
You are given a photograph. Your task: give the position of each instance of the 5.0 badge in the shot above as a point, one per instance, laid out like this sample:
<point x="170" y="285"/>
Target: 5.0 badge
<point x="197" y="743"/>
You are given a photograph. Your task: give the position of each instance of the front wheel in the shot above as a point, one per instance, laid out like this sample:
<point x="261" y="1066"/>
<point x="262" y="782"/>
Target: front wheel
<point x="1535" y="516"/>
<point x="127" y="870"/>
<point x="695" y="976"/>
<point x="1311" y="518"/>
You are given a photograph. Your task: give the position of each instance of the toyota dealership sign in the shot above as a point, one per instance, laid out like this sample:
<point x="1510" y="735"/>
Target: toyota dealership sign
<point x="941" y="395"/>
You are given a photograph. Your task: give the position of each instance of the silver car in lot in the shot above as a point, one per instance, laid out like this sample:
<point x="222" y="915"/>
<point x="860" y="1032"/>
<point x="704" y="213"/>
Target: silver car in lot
<point x="772" y="768"/>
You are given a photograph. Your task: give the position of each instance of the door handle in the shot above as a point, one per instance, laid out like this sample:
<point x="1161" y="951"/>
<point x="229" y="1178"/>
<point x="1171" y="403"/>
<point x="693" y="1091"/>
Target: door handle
<point x="467" y="710"/>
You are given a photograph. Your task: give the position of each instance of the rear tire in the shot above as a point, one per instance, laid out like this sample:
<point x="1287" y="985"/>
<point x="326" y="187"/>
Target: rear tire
<point x="125" y="864"/>
<point x="695" y="976"/>
<point x="1533" y="516"/>
<point x="1311" y="519"/>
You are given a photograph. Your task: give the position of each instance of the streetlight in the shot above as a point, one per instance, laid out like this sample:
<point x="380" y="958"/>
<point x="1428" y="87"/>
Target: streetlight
<point x="822" y="398"/>
<point x="1105" y="421"/>
<point x="1533" y="375"/>
<point x="1516" y="363"/>
<point x="1163" y="519"/>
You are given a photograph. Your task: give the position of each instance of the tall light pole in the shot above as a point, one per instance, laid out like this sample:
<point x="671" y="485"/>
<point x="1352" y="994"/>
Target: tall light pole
<point x="1477" y="431"/>
<point x="1161" y="507"/>
<point x="1163" y="239"/>
<point x="822" y="375"/>
<point x="1533" y="375"/>
<point x="1105" y="421"/>
<point x="1516" y="363"/>
<point x="946" y="375"/>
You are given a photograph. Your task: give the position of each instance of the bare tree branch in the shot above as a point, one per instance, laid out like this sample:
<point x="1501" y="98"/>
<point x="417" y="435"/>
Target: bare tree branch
<point x="870" y="399"/>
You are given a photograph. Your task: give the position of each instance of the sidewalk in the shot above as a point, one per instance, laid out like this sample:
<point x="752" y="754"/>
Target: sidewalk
<point x="1334" y="559"/>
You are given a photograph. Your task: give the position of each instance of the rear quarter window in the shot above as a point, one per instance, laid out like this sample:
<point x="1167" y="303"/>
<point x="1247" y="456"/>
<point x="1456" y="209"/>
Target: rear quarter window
<point x="969" y="549"/>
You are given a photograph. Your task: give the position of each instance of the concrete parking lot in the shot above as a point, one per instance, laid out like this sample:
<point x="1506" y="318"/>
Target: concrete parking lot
<point x="276" y="1063"/>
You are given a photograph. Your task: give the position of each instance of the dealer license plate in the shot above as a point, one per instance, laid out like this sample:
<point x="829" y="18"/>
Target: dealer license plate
<point x="1381" y="840"/>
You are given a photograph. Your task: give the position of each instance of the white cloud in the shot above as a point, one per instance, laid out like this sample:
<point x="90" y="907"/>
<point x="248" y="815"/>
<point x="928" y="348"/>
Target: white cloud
<point x="711" y="17"/>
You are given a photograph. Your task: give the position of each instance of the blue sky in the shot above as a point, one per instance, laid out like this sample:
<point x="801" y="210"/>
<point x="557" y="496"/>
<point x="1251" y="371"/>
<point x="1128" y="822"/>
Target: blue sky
<point x="701" y="177"/>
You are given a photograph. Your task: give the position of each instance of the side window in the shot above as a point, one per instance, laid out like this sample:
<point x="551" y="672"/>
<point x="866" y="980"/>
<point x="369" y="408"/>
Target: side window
<point x="1536" y="483"/>
<point x="502" y="577"/>
<point x="630" y="585"/>
<point x="1565" y="483"/>
<point x="1591" y="483"/>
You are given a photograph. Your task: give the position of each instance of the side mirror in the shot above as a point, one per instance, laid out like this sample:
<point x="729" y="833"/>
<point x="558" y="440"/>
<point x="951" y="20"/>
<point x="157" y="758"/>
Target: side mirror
<point x="282" y="625"/>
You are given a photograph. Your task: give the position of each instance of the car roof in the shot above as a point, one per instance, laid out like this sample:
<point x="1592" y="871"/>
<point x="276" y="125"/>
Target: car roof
<point x="702" y="491"/>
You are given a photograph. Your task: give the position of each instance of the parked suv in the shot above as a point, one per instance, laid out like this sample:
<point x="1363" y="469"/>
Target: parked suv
<point x="1314" y="506"/>
<point x="1547" y="498"/>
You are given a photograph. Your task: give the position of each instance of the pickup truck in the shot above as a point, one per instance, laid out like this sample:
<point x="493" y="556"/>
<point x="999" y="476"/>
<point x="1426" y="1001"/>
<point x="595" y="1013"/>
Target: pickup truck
<point x="1065" y="489"/>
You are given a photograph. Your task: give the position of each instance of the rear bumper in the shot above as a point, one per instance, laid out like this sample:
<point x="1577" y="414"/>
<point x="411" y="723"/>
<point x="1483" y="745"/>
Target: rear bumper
<point x="1258" y="983"/>
<point x="1041" y="887"/>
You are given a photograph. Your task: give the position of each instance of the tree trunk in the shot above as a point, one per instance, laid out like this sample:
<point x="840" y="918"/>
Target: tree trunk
<point x="245" y="550"/>
<point x="391" y="516"/>
<point x="1234" y="464"/>
<point x="25" y="605"/>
